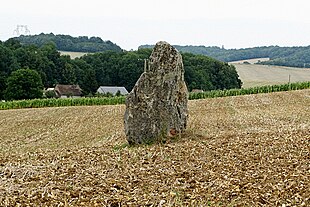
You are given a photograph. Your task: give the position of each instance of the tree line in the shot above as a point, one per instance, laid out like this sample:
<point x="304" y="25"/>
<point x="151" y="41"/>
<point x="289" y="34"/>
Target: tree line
<point x="111" y="68"/>
<point x="69" y="43"/>
<point x="282" y="56"/>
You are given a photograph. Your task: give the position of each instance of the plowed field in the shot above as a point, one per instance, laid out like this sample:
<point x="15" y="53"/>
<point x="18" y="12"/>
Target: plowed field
<point x="249" y="150"/>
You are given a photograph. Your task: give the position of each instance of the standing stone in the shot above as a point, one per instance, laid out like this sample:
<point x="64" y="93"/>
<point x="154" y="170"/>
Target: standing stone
<point x="157" y="105"/>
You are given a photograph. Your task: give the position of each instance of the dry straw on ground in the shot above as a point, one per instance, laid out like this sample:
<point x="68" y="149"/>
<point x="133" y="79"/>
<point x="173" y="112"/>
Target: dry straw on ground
<point x="249" y="150"/>
<point x="253" y="75"/>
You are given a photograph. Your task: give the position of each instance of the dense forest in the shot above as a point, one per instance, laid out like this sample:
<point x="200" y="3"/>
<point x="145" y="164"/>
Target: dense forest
<point x="105" y="69"/>
<point x="69" y="43"/>
<point x="284" y="56"/>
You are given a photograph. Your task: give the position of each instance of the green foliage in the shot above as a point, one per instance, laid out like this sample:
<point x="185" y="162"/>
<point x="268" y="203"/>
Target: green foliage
<point x="245" y="91"/>
<point x="50" y="94"/>
<point x="7" y="60"/>
<point x="222" y="54"/>
<point x="40" y="103"/>
<point x="118" y="93"/>
<point x="124" y="69"/>
<point x="108" y="94"/>
<point x="69" y="43"/>
<point x="24" y="84"/>
<point x="206" y="73"/>
<point x="106" y="69"/>
<point x="3" y="78"/>
<point x="117" y="69"/>
<point x="283" y="56"/>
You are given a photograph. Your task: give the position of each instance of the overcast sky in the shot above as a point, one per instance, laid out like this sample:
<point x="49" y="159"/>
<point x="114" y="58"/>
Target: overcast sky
<point x="130" y="23"/>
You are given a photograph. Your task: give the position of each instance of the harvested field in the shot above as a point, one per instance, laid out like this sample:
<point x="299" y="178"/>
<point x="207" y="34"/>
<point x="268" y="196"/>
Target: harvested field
<point x="259" y="75"/>
<point x="251" y="150"/>
<point x="251" y="61"/>
<point x="74" y="55"/>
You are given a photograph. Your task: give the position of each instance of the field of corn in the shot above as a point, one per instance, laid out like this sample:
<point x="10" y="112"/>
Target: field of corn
<point x="246" y="91"/>
<point x="40" y="103"/>
<point x="53" y="102"/>
<point x="251" y="150"/>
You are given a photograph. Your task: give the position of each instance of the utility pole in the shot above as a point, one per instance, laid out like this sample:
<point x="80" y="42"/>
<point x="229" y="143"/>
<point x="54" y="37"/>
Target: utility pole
<point x="21" y="30"/>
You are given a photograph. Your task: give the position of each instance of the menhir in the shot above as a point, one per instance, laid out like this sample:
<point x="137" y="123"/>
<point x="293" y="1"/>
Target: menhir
<point x="157" y="105"/>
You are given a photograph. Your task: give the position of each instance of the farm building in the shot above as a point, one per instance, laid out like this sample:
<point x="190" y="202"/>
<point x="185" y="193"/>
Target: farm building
<point x="65" y="91"/>
<point x="112" y="90"/>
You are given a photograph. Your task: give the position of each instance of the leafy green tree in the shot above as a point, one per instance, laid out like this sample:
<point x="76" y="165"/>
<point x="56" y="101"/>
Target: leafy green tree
<point x="7" y="60"/>
<point x="109" y="68"/>
<point x="2" y="84"/>
<point x="89" y="83"/>
<point x="86" y="76"/>
<point x="50" y="94"/>
<point x="65" y="71"/>
<point x="131" y="66"/>
<point x="51" y="59"/>
<point x="25" y="57"/>
<point x="12" y="43"/>
<point x="68" y="74"/>
<point x="24" y="84"/>
<point x="69" y="43"/>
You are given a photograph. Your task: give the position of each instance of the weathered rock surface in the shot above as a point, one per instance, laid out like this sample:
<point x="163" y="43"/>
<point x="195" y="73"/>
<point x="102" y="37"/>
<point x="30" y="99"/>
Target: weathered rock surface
<point x="157" y="105"/>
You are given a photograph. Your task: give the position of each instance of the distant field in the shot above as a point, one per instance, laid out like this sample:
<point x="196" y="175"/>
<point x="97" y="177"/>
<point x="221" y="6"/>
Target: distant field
<point x="257" y="75"/>
<point x="252" y="61"/>
<point x="248" y="150"/>
<point x="73" y="55"/>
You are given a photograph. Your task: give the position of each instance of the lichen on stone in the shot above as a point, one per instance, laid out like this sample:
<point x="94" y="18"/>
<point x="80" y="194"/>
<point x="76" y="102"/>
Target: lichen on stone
<point x="157" y="105"/>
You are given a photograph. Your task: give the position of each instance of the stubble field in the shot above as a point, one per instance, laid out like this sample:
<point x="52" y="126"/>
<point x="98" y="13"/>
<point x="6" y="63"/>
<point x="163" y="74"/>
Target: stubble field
<point x="74" y="55"/>
<point x="253" y="75"/>
<point x="249" y="150"/>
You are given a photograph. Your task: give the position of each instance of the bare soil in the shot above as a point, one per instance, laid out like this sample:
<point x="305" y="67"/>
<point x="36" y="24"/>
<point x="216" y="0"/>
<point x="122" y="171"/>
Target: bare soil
<point x="251" y="150"/>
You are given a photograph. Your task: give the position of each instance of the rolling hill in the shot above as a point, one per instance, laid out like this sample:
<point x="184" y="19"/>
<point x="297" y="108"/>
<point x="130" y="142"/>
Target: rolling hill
<point x="282" y="56"/>
<point x="69" y="43"/>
